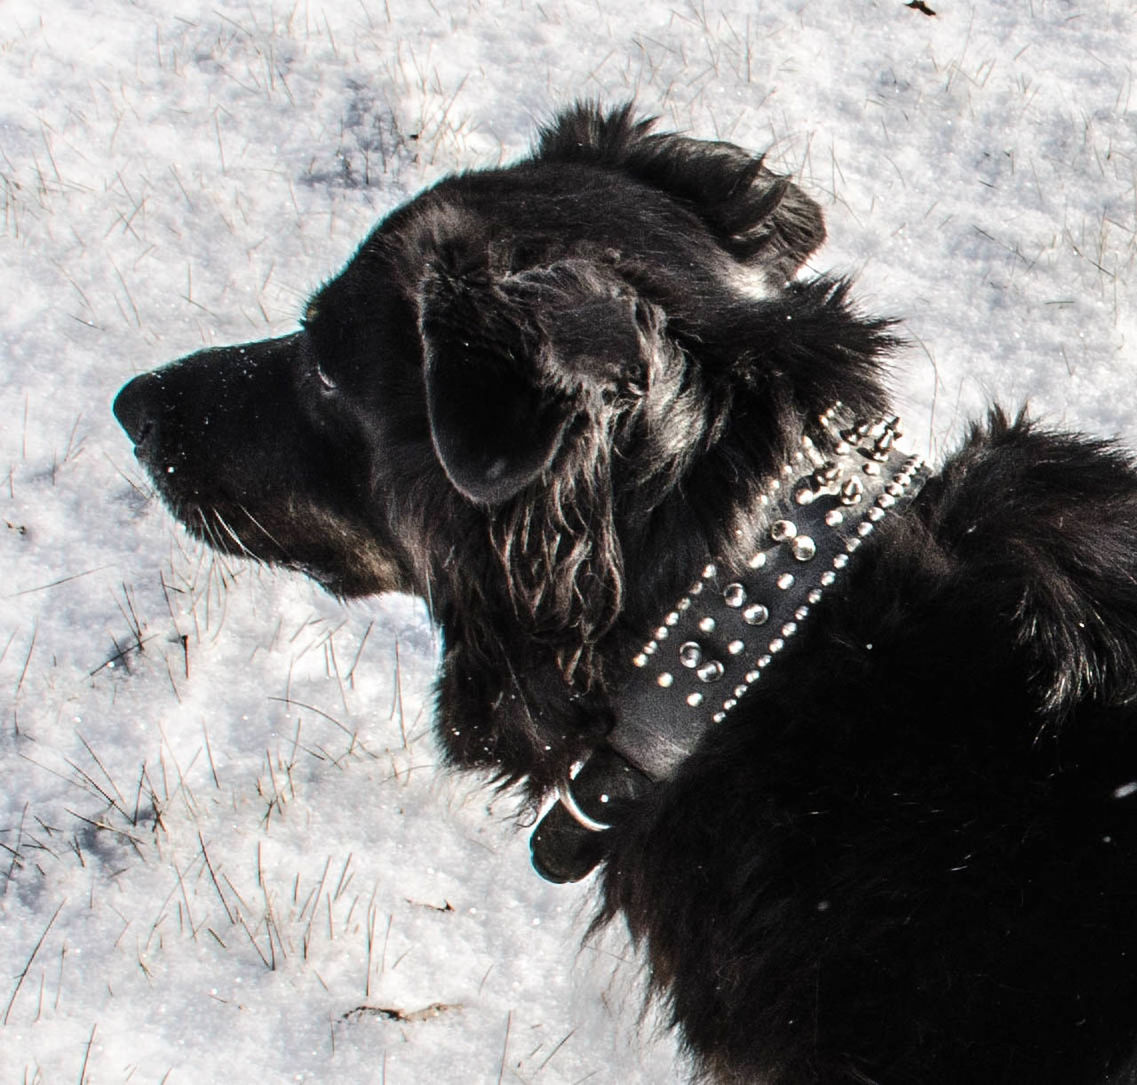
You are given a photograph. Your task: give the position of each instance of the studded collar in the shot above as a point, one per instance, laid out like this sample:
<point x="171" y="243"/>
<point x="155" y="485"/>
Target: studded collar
<point x="732" y="624"/>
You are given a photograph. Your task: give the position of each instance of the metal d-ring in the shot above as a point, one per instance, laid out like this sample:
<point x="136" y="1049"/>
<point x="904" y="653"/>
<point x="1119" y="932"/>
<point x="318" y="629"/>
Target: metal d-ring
<point x="568" y="800"/>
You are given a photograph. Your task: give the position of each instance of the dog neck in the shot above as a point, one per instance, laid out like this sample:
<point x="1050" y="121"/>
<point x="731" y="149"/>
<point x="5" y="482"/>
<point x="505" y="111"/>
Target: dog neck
<point x="732" y="625"/>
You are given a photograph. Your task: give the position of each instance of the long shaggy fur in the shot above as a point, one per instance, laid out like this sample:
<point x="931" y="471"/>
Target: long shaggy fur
<point x="538" y="396"/>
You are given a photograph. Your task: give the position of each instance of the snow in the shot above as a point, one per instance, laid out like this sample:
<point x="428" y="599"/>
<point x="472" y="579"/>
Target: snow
<point x="226" y="852"/>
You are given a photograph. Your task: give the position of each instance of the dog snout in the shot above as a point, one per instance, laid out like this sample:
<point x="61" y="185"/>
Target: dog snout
<point x="134" y="407"/>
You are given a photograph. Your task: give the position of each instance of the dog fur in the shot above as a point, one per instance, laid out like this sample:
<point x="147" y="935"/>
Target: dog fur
<point x="537" y="396"/>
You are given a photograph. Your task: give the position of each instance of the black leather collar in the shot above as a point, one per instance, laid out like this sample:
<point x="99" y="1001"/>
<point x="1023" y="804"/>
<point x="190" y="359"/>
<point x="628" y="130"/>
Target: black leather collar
<point x="731" y="626"/>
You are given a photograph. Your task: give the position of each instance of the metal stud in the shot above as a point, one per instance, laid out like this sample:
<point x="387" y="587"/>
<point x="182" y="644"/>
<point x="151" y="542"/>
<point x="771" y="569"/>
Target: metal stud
<point x="711" y="671"/>
<point x="752" y="677"/>
<point x="840" y="561"/>
<point x="739" y="691"/>
<point x="834" y="518"/>
<point x="707" y="625"/>
<point x="755" y="614"/>
<point x="827" y="578"/>
<point x="803" y="612"/>
<point x="757" y="561"/>
<point x="718" y="717"/>
<point x="789" y="629"/>
<point x="709" y="571"/>
<point x="763" y="662"/>
<point x="776" y="645"/>
<point x="785" y="581"/>
<point x="803" y="547"/>
<point x="690" y="654"/>
<point x="662" y="633"/>
<point x="734" y="595"/>
<point x="852" y="491"/>
<point x="695" y="699"/>
<point x="871" y="468"/>
<point x="651" y="648"/>
<point x="665" y="679"/>
<point x="672" y="618"/>
<point x="729" y="703"/>
<point x="639" y="660"/>
<point x="876" y="515"/>
<point x="781" y="530"/>
<point x="864" y="530"/>
<point x="736" y="647"/>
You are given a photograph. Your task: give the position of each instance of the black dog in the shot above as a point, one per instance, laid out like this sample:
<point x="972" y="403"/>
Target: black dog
<point x="860" y="745"/>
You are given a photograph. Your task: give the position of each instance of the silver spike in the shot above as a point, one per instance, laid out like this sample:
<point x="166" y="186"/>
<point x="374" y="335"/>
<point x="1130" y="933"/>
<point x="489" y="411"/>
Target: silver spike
<point x="883" y="445"/>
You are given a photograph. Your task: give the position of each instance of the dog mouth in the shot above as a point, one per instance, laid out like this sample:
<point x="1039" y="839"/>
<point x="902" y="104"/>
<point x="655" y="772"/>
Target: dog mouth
<point x="342" y="559"/>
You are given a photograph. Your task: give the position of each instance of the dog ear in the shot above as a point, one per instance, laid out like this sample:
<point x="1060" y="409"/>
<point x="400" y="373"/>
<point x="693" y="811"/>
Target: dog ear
<point x="510" y="362"/>
<point x="759" y="217"/>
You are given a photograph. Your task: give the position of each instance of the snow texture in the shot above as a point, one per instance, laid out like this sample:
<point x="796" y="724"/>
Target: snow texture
<point x="226" y="852"/>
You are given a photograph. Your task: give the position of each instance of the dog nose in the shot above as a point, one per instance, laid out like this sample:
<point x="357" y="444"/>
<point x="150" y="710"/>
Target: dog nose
<point x="132" y="408"/>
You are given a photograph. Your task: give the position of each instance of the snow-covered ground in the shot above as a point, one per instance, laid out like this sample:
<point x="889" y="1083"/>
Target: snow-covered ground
<point x="225" y="851"/>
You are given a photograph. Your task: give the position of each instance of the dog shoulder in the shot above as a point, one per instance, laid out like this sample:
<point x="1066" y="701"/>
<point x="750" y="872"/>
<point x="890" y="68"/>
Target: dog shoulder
<point x="1043" y="523"/>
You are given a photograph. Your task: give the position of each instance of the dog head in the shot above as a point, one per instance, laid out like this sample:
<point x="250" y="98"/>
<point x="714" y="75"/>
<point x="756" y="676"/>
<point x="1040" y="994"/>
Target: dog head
<point x="531" y="397"/>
